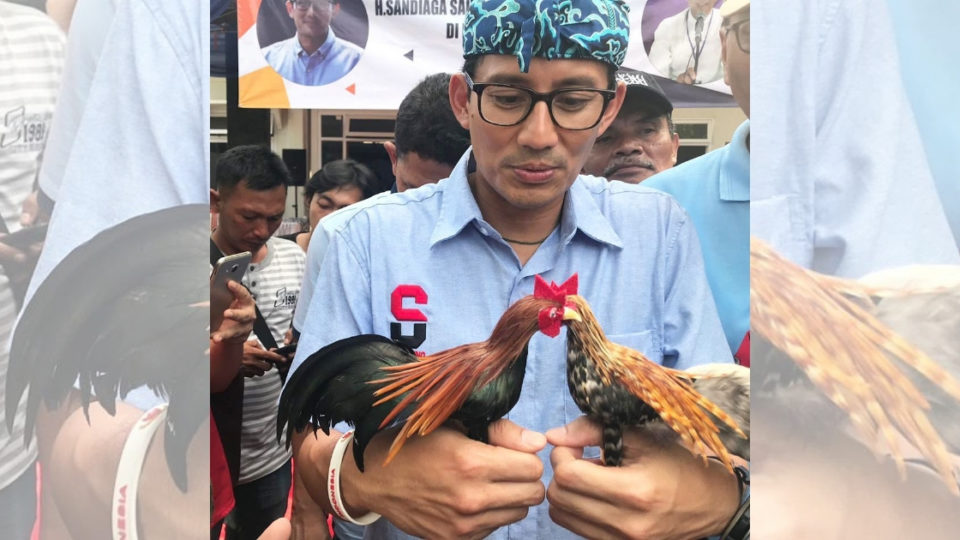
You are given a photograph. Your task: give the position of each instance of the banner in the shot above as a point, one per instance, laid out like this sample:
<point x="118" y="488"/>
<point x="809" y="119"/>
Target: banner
<point x="372" y="52"/>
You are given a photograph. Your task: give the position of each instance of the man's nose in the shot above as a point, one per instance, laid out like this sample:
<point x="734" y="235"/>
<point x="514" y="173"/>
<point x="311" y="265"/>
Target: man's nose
<point x="630" y="145"/>
<point x="538" y="130"/>
<point x="262" y="229"/>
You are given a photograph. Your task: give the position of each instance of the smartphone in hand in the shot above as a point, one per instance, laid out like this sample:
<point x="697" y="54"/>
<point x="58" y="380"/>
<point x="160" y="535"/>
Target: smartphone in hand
<point x="286" y="350"/>
<point x="228" y="268"/>
<point x="25" y="237"/>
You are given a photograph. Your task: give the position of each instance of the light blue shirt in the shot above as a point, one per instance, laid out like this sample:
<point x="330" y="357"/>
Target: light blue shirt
<point x="926" y="42"/>
<point x="634" y="248"/>
<point x="839" y="176"/>
<point x="317" y="247"/>
<point x="334" y="59"/>
<point x="153" y="71"/>
<point x="715" y="190"/>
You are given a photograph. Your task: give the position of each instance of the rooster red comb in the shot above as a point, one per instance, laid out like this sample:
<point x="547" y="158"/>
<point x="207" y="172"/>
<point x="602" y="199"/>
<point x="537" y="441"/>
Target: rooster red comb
<point x="551" y="319"/>
<point x="552" y="291"/>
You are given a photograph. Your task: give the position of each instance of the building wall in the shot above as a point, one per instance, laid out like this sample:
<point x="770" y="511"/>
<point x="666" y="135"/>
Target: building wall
<point x="723" y="122"/>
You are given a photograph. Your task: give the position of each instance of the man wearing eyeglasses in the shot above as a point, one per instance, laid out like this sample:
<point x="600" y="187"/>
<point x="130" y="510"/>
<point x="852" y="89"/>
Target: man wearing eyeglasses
<point x="715" y="190"/>
<point x="314" y="55"/>
<point x="438" y="265"/>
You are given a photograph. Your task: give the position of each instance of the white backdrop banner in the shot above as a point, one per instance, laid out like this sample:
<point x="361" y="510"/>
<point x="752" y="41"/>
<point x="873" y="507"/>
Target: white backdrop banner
<point x="380" y="49"/>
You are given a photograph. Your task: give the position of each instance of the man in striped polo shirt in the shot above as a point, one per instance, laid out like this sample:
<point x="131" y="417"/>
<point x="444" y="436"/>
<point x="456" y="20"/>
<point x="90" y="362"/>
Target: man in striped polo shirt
<point x="250" y="196"/>
<point x="31" y="61"/>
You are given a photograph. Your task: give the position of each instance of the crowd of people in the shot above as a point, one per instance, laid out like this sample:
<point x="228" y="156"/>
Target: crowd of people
<point x="516" y="191"/>
<point x="492" y="189"/>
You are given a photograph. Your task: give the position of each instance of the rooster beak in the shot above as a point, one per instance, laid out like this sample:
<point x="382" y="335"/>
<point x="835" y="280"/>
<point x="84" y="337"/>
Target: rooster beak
<point x="571" y="315"/>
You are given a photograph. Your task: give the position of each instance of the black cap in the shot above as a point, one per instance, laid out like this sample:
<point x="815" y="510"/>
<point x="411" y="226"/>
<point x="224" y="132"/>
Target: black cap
<point x="643" y="86"/>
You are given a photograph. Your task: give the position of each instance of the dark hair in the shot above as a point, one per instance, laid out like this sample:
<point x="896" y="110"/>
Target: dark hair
<point x="338" y="174"/>
<point x="256" y="166"/>
<point x="426" y="124"/>
<point x="470" y="68"/>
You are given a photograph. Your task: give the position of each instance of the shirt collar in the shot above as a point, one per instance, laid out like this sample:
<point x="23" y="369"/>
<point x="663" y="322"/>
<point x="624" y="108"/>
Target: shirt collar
<point x="459" y="208"/>
<point x="735" y="167"/>
<point x="580" y="211"/>
<point x="322" y="51"/>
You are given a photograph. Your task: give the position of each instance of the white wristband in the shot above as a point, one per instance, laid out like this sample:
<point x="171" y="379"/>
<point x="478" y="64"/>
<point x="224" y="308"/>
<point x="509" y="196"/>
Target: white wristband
<point x="333" y="484"/>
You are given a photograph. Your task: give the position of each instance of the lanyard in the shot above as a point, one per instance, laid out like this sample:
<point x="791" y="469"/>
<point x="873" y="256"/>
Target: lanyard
<point x="695" y="50"/>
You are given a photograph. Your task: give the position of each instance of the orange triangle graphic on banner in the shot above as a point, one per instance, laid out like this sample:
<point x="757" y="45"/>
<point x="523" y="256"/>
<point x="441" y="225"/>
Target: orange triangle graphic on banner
<point x="352" y="89"/>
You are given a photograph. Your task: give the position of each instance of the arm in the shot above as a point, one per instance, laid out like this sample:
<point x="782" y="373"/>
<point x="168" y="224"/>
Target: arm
<point x="80" y="451"/>
<point x="441" y="485"/>
<point x="660" y="49"/>
<point x="226" y="342"/>
<point x="660" y="491"/>
<point x="18" y="262"/>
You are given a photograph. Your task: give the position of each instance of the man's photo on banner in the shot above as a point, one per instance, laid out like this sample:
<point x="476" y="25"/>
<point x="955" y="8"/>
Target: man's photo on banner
<point x="679" y="38"/>
<point x="312" y="42"/>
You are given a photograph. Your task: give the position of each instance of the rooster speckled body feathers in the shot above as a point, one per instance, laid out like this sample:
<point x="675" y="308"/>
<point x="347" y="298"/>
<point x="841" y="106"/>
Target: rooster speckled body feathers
<point x="618" y="386"/>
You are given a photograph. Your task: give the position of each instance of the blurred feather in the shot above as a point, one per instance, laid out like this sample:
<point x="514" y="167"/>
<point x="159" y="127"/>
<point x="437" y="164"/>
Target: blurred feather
<point x="883" y="350"/>
<point x="117" y="313"/>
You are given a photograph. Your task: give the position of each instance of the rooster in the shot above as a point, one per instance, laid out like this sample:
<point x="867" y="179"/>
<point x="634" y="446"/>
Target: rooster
<point x="835" y="350"/>
<point x="374" y="383"/>
<point x="618" y="386"/>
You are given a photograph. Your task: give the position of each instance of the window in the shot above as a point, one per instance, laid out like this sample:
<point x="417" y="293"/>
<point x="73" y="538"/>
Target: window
<point x="694" y="138"/>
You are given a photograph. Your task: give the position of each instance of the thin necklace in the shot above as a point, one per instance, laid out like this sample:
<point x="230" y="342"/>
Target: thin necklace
<point x="522" y="243"/>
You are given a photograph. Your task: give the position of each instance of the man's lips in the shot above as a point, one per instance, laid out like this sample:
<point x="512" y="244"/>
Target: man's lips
<point x="534" y="173"/>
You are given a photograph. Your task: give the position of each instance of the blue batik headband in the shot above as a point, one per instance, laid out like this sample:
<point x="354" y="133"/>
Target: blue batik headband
<point x="551" y="29"/>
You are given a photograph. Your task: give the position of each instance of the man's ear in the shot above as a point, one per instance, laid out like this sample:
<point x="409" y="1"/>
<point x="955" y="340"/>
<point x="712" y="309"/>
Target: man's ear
<point x="459" y="99"/>
<point x="290" y="8"/>
<point x="613" y="108"/>
<point x="676" y="147"/>
<point x="214" y="201"/>
<point x="391" y="149"/>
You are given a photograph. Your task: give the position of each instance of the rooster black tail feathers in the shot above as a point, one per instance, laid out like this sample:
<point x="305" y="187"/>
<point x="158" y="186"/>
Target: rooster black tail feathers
<point x="331" y="387"/>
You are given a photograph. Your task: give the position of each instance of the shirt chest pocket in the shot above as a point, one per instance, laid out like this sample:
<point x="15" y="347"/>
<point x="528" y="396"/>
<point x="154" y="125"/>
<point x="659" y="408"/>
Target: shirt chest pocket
<point x="644" y="342"/>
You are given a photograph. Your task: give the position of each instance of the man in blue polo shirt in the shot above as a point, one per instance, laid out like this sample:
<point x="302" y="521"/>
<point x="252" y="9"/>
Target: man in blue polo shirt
<point x="715" y="190"/>
<point x="314" y="55"/>
<point x="438" y="265"/>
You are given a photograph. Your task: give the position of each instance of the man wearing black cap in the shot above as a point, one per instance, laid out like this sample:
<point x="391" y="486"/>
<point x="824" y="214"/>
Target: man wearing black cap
<point x="642" y="140"/>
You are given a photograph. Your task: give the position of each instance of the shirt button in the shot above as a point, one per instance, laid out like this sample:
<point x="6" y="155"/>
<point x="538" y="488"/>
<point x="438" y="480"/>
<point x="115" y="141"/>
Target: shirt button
<point x="253" y="283"/>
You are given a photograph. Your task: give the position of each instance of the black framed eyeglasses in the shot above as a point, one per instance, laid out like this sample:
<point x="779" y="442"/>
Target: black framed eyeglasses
<point x="570" y="108"/>
<point x="304" y="5"/>
<point x="741" y="29"/>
